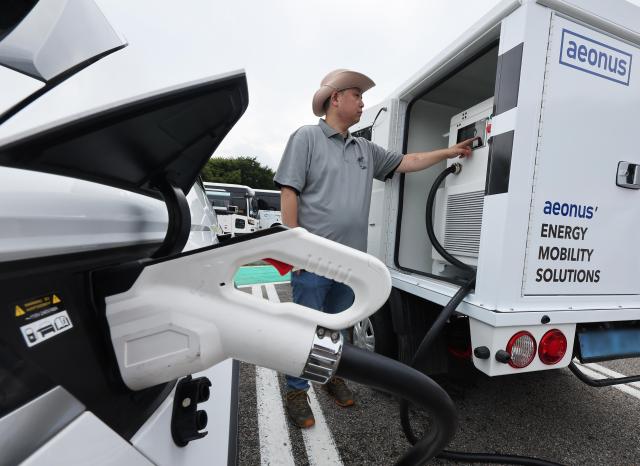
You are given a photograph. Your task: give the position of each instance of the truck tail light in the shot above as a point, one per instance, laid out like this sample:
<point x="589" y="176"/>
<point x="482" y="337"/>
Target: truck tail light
<point x="553" y="346"/>
<point x="522" y="348"/>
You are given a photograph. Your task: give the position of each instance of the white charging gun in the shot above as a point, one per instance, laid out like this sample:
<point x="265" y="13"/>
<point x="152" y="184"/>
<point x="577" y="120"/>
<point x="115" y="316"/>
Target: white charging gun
<point x="183" y="314"/>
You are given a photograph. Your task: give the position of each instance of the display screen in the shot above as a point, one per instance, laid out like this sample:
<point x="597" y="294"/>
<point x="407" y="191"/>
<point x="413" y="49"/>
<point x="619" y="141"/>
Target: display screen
<point x="477" y="129"/>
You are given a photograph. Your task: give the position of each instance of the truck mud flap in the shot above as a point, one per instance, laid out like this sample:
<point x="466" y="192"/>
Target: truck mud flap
<point x="412" y="318"/>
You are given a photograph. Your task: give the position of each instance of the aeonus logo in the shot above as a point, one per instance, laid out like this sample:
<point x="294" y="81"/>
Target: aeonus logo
<point x="595" y="58"/>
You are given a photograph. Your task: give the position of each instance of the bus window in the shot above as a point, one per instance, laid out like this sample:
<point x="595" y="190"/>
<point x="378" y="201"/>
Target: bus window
<point x="220" y="200"/>
<point x="266" y="200"/>
<point x="240" y="196"/>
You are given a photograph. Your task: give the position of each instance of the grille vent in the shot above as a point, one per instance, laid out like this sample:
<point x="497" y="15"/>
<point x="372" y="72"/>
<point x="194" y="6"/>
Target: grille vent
<point x="463" y="223"/>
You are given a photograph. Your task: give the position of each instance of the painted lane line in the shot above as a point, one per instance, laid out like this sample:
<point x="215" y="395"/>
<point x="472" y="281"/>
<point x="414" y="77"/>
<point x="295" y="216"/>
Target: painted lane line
<point x="275" y="445"/>
<point x="610" y="373"/>
<point x="272" y="293"/>
<point x="597" y="375"/>
<point x="318" y="441"/>
<point x="243" y="287"/>
<point x="321" y="449"/>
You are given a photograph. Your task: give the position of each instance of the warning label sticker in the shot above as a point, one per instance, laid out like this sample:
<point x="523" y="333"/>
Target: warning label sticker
<point x="45" y="328"/>
<point x="38" y="308"/>
<point x="41" y="318"/>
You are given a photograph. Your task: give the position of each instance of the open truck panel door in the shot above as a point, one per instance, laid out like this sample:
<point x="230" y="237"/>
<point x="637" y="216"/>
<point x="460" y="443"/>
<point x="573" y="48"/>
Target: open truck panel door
<point x="379" y="124"/>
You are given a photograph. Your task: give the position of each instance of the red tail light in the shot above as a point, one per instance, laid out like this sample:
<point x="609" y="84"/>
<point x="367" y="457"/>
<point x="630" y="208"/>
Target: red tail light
<point x="522" y="348"/>
<point x="553" y="346"/>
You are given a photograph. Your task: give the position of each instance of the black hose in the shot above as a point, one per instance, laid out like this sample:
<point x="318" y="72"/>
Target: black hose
<point x="421" y="353"/>
<point x="436" y="328"/>
<point x="382" y="373"/>
<point x="431" y="198"/>
<point x="496" y="458"/>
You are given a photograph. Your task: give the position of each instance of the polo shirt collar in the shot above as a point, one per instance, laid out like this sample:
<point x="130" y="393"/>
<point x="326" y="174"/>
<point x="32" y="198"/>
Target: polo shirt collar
<point x="329" y="131"/>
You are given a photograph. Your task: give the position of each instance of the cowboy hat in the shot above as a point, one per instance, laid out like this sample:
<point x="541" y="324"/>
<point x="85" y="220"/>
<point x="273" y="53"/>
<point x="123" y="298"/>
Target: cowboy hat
<point x="338" y="80"/>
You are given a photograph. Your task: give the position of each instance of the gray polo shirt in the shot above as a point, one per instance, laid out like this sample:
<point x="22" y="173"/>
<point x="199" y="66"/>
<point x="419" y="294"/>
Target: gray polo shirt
<point x="333" y="177"/>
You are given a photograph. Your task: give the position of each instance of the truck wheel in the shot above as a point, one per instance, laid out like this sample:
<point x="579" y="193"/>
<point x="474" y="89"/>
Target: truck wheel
<point x="375" y="333"/>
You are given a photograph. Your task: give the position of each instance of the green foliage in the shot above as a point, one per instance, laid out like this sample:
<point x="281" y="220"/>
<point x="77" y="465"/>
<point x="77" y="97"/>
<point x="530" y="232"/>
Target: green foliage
<point x="239" y="170"/>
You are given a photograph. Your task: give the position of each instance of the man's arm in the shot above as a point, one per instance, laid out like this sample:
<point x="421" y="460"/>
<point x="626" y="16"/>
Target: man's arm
<point x="289" y="206"/>
<point x="421" y="160"/>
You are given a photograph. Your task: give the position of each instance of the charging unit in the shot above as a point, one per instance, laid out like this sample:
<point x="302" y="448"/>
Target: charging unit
<point x="545" y="210"/>
<point x="460" y="202"/>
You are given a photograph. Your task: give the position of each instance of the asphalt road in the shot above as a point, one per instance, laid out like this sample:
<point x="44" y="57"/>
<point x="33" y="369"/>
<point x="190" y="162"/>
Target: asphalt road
<point x="548" y="415"/>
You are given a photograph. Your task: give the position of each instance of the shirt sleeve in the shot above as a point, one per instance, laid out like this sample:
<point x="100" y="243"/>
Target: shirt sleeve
<point x="385" y="161"/>
<point x="294" y="163"/>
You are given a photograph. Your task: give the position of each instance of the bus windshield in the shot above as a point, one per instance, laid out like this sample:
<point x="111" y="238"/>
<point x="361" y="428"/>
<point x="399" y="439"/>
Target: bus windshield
<point x="220" y="200"/>
<point x="266" y="200"/>
<point x="235" y="198"/>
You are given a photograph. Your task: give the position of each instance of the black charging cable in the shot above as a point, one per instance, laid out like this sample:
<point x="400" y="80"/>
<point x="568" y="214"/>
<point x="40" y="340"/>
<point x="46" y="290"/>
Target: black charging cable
<point x="377" y="371"/>
<point x="421" y="354"/>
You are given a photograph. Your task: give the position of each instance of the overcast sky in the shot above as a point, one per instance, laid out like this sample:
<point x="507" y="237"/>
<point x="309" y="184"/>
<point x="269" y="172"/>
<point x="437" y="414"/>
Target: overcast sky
<point x="286" y="47"/>
<point x="292" y="44"/>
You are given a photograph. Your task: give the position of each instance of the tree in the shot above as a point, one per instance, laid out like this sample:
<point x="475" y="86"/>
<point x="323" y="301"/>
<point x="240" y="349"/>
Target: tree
<point x="239" y="170"/>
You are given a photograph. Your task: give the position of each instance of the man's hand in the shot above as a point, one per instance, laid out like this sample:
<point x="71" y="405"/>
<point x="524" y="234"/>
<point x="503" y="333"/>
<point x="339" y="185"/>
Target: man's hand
<point x="421" y="160"/>
<point x="462" y="149"/>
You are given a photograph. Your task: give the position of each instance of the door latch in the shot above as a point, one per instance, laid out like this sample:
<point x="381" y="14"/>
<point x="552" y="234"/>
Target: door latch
<point x="628" y="175"/>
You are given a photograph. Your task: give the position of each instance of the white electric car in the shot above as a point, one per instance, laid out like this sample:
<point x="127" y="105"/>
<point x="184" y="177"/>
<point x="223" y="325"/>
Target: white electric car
<point x="119" y="316"/>
<point x="91" y="186"/>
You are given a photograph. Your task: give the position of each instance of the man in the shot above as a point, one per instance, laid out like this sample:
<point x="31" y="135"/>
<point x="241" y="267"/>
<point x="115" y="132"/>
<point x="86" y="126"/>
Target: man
<point x="325" y="176"/>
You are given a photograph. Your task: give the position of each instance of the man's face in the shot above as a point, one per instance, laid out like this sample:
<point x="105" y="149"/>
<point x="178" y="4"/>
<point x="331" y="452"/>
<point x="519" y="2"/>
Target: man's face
<point x="349" y="105"/>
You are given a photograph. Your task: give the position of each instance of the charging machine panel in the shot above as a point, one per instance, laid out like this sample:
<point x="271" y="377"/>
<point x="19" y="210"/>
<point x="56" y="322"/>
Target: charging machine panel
<point x="459" y="204"/>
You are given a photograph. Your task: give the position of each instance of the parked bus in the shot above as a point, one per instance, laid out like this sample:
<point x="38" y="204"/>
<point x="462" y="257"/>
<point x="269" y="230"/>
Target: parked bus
<point x="232" y="203"/>
<point x="266" y="208"/>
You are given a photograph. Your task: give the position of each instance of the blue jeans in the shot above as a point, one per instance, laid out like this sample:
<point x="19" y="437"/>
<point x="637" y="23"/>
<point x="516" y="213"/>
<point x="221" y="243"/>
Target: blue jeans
<point x="319" y="293"/>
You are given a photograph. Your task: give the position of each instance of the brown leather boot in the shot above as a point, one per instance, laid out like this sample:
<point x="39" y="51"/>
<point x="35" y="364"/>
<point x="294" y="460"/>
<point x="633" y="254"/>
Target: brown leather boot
<point x="338" y="389"/>
<point x="298" y="409"/>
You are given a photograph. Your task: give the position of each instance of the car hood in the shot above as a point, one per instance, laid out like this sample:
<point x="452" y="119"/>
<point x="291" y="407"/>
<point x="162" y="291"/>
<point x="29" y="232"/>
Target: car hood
<point x="167" y="135"/>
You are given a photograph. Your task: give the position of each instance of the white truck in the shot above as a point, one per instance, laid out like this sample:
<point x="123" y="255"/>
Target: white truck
<point x="545" y="212"/>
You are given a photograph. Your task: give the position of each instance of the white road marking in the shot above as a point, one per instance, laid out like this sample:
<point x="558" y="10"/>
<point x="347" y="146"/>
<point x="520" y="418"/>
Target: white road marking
<point x="609" y="372"/>
<point x="275" y="445"/>
<point x="272" y="294"/>
<point x="321" y="449"/>
<point x="318" y="441"/>
<point x="240" y="287"/>
<point x="597" y="375"/>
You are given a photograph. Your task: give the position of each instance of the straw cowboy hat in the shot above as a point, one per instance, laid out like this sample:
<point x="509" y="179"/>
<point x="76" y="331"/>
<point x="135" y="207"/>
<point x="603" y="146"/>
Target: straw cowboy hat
<point x="338" y="80"/>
